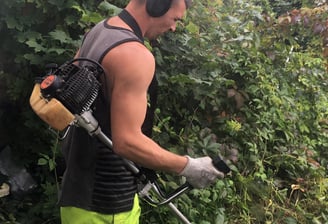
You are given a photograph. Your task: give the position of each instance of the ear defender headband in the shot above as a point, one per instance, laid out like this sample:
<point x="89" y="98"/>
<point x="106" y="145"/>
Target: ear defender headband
<point x="157" y="8"/>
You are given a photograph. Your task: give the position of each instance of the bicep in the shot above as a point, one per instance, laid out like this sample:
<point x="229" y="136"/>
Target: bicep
<point x="128" y="108"/>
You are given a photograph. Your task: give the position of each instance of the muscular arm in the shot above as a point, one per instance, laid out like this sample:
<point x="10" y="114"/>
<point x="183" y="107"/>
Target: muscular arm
<point x="130" y="70"/>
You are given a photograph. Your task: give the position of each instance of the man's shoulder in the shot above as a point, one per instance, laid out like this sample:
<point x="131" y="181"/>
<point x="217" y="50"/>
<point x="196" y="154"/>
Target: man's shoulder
<point x="128" y="58"/>
<point x="132" y="50"/>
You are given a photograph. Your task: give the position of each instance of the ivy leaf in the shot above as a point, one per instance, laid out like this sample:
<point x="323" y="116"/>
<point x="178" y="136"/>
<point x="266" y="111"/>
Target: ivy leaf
<point x="12" y="23"/>
<point x="233" y="20"/>
<point x="58" y="51"/>
<point x="33" y="58"/>
<point x="52" y="165"/>
<point x="60" y="35"/>
<point x="106" y="6"/>
<point x="91" y="17"/>
<point x="192" y="28"/>
<point x="290" y="220"/>
<point x="34" y="44"/>
<point x="42" y="161"/>
<point x="23" y="36"/>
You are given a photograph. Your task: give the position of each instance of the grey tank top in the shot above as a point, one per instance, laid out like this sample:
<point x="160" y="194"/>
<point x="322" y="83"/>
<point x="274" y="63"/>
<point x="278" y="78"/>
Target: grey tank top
<point x="102" y="38"/>
<point x="95" y="178"/>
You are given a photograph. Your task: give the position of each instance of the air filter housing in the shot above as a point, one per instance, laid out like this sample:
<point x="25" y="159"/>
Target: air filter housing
<point x="76" y="87"/>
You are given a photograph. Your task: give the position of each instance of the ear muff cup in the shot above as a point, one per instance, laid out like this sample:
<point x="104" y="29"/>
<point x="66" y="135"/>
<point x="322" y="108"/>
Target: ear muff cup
<point x="157" y="8"/>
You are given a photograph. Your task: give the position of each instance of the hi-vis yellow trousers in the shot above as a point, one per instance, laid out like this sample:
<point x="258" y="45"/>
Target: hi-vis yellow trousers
<point x="73" y="215"/>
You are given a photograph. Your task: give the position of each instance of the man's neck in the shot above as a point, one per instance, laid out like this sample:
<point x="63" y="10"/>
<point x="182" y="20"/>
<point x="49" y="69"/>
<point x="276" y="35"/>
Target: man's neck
<point x="141" y="17"/>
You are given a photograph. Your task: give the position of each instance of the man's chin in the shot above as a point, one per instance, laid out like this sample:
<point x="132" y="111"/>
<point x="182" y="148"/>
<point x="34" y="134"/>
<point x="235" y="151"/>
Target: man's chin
<point x="153" y="38"/>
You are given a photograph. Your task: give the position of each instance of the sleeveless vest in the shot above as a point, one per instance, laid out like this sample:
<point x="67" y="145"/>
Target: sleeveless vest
<point x="96" y="179"/>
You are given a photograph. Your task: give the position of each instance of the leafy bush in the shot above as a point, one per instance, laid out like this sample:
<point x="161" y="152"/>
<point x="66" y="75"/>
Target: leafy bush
<point x="259" y="85"/>
<point x="35" y="33"/>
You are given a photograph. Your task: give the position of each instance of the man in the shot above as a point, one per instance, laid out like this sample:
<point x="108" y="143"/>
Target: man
<point x="97" y="186"/>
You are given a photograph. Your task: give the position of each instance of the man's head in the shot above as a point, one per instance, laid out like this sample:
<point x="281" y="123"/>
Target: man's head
<point x="156" y="17"/>
<point x="164" y="16"/>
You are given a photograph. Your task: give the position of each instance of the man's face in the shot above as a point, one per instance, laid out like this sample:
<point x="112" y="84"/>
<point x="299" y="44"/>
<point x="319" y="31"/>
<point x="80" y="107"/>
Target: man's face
<point x="168" y="21"/>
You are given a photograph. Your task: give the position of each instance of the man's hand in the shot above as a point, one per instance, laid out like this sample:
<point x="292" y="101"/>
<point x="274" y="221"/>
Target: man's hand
<point x="200" y="172"/>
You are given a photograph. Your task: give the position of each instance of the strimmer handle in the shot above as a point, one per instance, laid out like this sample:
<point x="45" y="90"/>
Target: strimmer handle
<point x="220" y="165"/>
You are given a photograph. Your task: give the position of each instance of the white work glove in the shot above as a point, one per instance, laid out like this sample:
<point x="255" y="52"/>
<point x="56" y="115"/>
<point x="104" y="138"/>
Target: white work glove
<point x="200" y="172"/>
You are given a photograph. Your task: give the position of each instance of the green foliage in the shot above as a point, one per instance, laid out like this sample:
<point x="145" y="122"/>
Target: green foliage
<point x="260" y="88"/>
<point x="33" y="34"/>
<point x="231" y="79"/>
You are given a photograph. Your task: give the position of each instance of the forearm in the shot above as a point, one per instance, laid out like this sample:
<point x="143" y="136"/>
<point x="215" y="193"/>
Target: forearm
<point x="145" y="152"/>
<point x="199" y="172"/>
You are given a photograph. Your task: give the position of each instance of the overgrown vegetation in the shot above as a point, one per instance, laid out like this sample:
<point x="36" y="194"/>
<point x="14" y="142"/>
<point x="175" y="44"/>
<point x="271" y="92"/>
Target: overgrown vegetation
<point x="237" y="76"/>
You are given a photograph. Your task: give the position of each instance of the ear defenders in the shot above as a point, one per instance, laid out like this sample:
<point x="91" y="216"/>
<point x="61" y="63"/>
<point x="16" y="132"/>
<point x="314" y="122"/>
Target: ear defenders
<point x="157" y="8"/>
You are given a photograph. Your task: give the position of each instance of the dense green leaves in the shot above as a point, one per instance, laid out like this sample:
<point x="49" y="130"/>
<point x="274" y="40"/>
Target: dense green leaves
<point x="235" y="77"/>
<point x="259" y="89"/>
